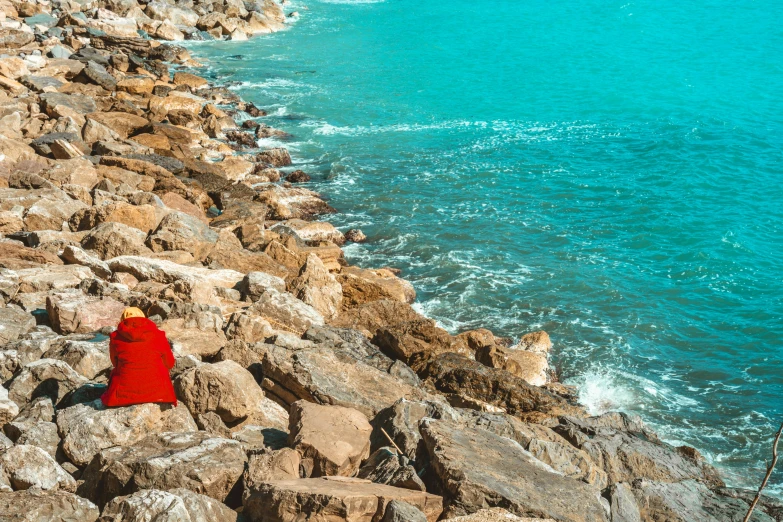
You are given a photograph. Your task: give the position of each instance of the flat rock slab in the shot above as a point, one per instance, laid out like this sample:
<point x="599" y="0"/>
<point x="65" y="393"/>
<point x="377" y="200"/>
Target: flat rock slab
<point x="34" y="505"/>
<point x="478" y="469"/>
<point x="496" y="515"/>
<point x="334" y="499"/>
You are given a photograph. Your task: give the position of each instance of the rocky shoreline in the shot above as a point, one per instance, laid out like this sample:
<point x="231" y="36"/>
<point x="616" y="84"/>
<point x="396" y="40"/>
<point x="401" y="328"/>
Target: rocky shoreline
<point x="309" y="389"/>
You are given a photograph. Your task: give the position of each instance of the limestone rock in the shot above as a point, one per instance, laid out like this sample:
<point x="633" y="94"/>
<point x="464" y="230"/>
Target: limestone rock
<point x="385" y="466"/>
<point x="331" y="439"/>
<point x="8" y="408"/>
<point x="225" y="388"/>
<point x="195" y="461"/>
<point x="87" y="358"/>
<point x="479" y="469"/>
<point x="49" y="278"/>
<point x="270" y="465"/>
<point x="278" y="157"/>
<point x="363" y="286"/>
<point x="30" y="466"/>
<point x="14" y="323"/>
<point x="86" y="429"/>
<point x="333" y="498"/>
<point x="318" y="288"/>
<point x="197" y="333"/>
<point x="175" y="505"/>
<point x="313" y="230"/>
<point x="537" y="342"/>
<point x="77" y="256"/>
<point x="33" y="505"/>
<point x="42" y="434"/>
<point x="74" y="312"/>
<point x="180" y="231"/>
<point x="112" y="239"/>
<point x="498" y="515"/>
<point x="284" y="311"/>
<point x="256" y="283"/>
<point x="141" y="217"/>
<point x="530" y="366"/>
<point x="44" y="378"/>
<point x="401" y="422"/>
<point x="399" y="511"/>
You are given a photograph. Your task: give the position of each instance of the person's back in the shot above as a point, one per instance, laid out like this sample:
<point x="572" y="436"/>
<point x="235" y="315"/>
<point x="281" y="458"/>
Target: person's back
<point x="142" y="358"/>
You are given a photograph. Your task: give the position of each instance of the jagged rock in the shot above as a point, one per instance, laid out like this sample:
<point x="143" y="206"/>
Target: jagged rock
<point x="180" y="231"/>
<point x="256" y="283"/>
<point x="160" y="10"/>
<point x="141" y="217"/>
<point x="77" y="256"/>
<point x="212" y="423"/>
<point x="14" y="38"/>
<point x="537" y="342"/>
<point x="8" y="408"/>
<point x="688" y="500"/>
<point x="478" y="469"/>
<point x="291" y="203"/>
<point x="87" y="358"/>
<point x="363" y="286"/>
<point x="195" y="461"/>
<point x="355" y="236"/>
<point x="86" y="429"/>
<point x="34" y="505"/>
<point x="162" y="271"/>
<point x="530" y="366"/>
<point x="177" y="202"/>
<point x="626" y="456"/>
<point x="197" y="333"/>
<point x="112" y="239"/>
<point x="331" y="439"/>
<point x="77" y="103"/>
<point x="401" y="422"/>
<point x="385" y="466"/>
<point x="416" y="342"/>
<point x="270" y="465"/>
<point x="74" y="312"/>
<point x="284" y="311"/>
<point x="278" y="157"/>
<point x="297" y="176"/>
<point x="333" y="498"/>
<point x="35" y="432"/>
<point x="14" y="323"/>
<point x="44" y="378"/>
<point x="454" y="374"/>
<point x="318" y="288"/>
<point x="175" y="505"/>
<point x="622" y="504"/>
<point x="399" y="511"/>
<point x="318" y="373"/>
<point x="311" y="230"/>
<point x="225" y="388"/>
<point x="123" y="123"/>
<point x="30" y="466"/>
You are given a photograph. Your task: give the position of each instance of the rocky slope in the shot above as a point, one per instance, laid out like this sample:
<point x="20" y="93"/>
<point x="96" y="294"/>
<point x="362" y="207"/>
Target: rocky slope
<point x="309" y="389"/>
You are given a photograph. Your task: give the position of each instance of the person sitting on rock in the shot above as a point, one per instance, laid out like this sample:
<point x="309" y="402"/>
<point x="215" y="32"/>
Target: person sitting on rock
<point x="142" y="358"/>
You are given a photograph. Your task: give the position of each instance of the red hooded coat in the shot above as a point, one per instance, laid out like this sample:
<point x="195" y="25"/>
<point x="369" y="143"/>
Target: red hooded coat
<point x="142" y="358"/>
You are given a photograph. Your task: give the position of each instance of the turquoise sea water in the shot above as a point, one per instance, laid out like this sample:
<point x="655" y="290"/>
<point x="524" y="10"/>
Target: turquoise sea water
<point x="607" y="171"/>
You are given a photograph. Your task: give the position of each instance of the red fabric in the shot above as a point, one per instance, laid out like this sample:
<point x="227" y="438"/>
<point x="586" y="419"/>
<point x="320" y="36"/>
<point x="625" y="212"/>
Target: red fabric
<point x="142" y="358"/>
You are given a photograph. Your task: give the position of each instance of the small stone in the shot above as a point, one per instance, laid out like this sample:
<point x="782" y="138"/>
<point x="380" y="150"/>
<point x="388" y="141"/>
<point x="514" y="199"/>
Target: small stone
<point x="298" y="176"/>
<point x="355" y="235"/>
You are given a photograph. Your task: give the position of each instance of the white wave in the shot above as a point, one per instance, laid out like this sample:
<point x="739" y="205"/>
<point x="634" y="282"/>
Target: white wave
<point x="326" y="129"/>
<point x="600" y="392"/>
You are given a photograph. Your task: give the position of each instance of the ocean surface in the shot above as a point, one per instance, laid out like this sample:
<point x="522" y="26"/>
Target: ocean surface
<point x="608" y="171"/>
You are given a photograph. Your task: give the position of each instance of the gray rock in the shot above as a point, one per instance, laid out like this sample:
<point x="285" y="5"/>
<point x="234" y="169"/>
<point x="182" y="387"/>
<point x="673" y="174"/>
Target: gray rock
<point x="86" y="429"/>
<point x="399" y="511"/>
<point x="30" y="466"/>
<point x="401" y="422"/>
<point x="14" y="323"/>
<point x="42" y="434"/>
<point x="77" y="102"/>
<point x="58" y="51"/>
<point x="385" y="466"/>
<point x="87" y="358"/>
<point x="176" y="505"/>
<point x="76" y="255"/>
<point x="256" y="283"/>
<point x="623" y="504"/>
<point x="98" y="74"/>
<point x="40" y="83"/>
<point x="476" y="469"/>
<point x="35" y="505"/>
<point x="195" y="461"/>
<point x="45" y="378"/>
<point x="286" y="312"/>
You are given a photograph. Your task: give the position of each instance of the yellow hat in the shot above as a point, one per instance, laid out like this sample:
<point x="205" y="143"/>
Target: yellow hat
<point x="132" y="312"/>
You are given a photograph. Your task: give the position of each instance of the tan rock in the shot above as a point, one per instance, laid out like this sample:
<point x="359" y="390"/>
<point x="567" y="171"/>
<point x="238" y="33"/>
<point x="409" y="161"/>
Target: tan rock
<point x="180" y="231"/>
<point x="191" y="80"/>
<point x="270" y="465"/>
<point x="538" y="342"/>
<point x="318" y="288"/>
<point x="142" y="217"/>
<point x="362" y="286"/>
<point x="74" y="312"/>
<point x="30" y="466"/>
<point x="176" y="101"/>
<point x="122" y="123"/>
<point x="338" y="499"/>
<point x="136" y="85"/>
<point x="225" y="388"/>
<point x="332" y="440"/>
<point x="174" y="505"/>
<point x="112" y="239"/>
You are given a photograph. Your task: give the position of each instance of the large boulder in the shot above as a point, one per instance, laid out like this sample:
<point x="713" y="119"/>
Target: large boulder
<point x="318" y="373"/>
<point x="35" y="505"/>
<point x="88" y="358"/>
<point x="416" y="342"/>
<point x="196" y="461"/>
<point x="454" y="374"/>
<point x="112" y="239"/>
<point x="86" y="429"/>
<point x="331" y="439"/>
<point x="8" y="408"/>
<point x="180" y="231"/>
<point x="44" y="378"/>
<point x="30" y="466"/>
<point x="142" y="217"/>
<point x="197" y="333"/>
<point x="225" y="388"/>
<point x="318" y="288"/>
<point x="386" y="466"/>
<point x="362" y="286"/>
<point x="75" y="312"/>
<point x="401" y="422"/>
<point x="476" y="469"/>
<point x="338" y="499"/>
<point x="176" y="505"/>
<point x="286" y="312"/>
<point x="46" y="279"/>
<point x="268" y="465"/>
<point x="14" y="323"/>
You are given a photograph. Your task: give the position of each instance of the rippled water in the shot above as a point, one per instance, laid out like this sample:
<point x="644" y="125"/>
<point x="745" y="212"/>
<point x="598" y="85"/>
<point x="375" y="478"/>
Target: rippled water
<point x="607" y="171"/>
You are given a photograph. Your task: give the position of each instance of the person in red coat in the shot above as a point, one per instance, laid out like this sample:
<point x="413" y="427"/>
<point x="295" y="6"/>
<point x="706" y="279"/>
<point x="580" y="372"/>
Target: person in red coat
<point x="142" y="358"/>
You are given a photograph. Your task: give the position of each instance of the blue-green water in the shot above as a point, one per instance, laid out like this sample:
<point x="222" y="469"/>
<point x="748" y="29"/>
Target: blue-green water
<point x="607" y="171"/>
